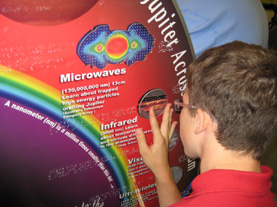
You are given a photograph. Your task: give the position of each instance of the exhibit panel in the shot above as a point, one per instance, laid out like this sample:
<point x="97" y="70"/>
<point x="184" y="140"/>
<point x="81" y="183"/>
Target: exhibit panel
<point x="76" y="80"/>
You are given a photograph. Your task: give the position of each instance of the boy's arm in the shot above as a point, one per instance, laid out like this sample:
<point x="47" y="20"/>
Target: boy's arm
<point x="156" y="156"/>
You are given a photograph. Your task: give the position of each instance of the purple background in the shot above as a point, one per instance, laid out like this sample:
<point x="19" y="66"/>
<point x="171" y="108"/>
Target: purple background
<point x="30" y="150"/>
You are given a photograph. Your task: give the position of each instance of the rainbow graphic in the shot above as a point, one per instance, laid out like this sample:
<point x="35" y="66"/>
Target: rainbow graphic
<point x="101" y="46"/>
<point x="24" y="89"/>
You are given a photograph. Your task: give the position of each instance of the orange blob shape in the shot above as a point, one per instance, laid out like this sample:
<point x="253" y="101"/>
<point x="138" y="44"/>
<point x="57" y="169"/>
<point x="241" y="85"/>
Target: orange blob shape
<point x="117" y="47"/>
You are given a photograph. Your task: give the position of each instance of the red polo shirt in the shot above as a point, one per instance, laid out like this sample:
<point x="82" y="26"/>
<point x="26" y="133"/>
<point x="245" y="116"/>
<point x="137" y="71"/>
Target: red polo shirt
<point x="230" y="188"/>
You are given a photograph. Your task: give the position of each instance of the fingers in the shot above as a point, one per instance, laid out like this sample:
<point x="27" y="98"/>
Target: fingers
<point x="154" y="125"/>
<point x="160" y="134"/>
<point x="172" y="128"/>
<point x="142" y="144"/>
<point x="172" y="124"/>
<point x="166" y="121"/>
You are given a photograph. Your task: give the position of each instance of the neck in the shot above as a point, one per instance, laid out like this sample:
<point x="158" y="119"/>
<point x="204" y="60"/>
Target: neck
<point x="241" y="164"/>
<point x="217" y="157"/>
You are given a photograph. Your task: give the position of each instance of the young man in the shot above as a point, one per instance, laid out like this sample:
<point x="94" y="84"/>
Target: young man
<point x="228" y="117"/>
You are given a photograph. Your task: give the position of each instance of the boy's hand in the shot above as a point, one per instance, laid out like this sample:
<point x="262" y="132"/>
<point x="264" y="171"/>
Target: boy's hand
<point x="156" y="155"/>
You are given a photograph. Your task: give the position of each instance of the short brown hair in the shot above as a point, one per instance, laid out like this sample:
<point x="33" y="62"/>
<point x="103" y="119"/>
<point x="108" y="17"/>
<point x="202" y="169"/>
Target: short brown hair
<point x="236" y="83"/>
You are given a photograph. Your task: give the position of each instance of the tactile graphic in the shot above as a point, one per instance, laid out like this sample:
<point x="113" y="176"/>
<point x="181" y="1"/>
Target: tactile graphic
<point x="101" y="46"/>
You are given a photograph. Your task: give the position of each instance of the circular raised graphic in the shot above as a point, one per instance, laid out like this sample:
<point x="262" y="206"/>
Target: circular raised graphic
<point x="156" y="98"/>
<point x="173" y="140"/>
<point x="177" y="173"/>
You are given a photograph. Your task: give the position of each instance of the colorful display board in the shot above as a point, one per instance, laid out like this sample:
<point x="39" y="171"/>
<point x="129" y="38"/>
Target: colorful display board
<point x="76" y="79"/>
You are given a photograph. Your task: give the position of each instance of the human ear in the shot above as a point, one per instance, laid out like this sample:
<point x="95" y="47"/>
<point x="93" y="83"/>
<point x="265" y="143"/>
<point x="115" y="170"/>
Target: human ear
<point x="202" y="121"/>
